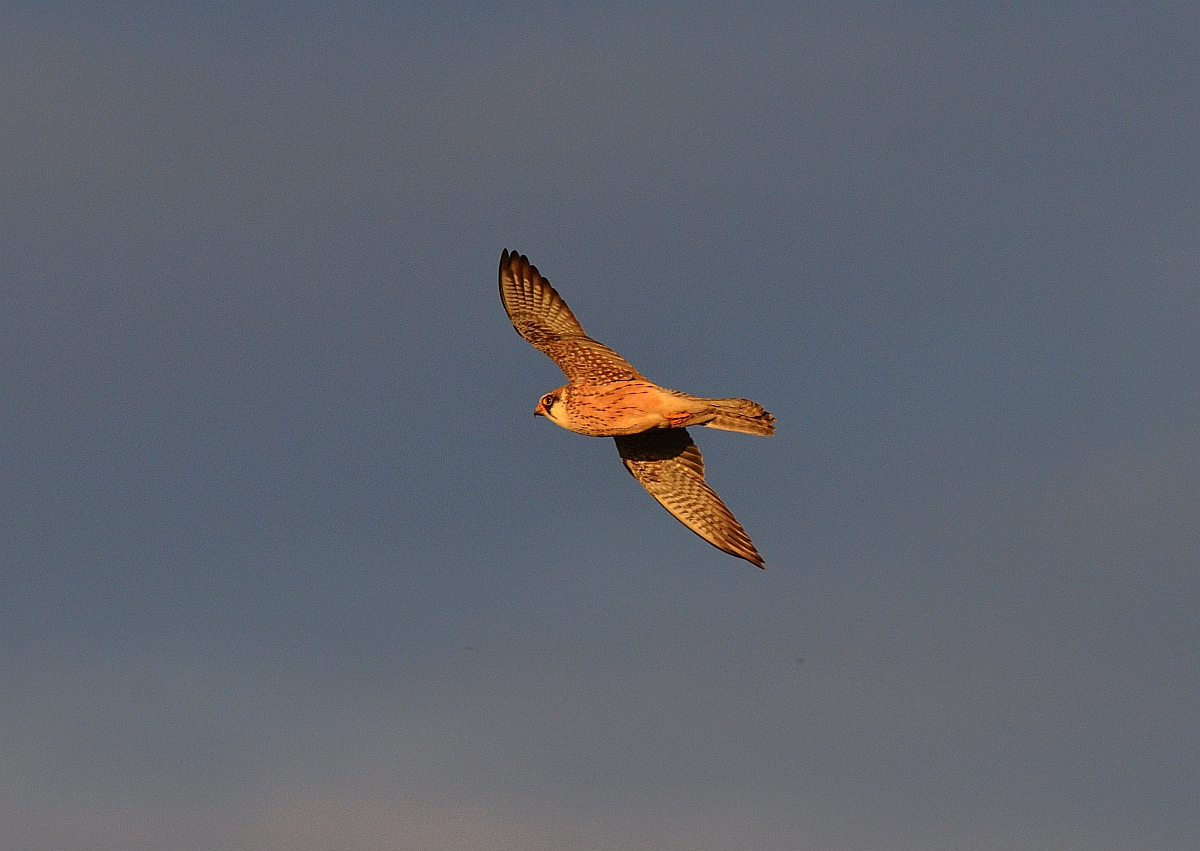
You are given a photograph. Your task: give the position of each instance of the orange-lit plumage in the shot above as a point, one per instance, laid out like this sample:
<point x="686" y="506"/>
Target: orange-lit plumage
<point x="606" y="396"/>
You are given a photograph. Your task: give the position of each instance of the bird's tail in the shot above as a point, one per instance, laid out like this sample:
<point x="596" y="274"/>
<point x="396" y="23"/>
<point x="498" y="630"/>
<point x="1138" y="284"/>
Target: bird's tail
<point x="740" y="415"/>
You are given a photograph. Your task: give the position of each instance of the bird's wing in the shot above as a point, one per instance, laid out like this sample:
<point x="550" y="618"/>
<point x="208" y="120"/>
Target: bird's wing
<point x="541" y="316"/>
<point x="669" y="466"/>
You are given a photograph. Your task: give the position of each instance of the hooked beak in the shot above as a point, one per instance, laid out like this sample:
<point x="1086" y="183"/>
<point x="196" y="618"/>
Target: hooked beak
<point x="540" y="410"/>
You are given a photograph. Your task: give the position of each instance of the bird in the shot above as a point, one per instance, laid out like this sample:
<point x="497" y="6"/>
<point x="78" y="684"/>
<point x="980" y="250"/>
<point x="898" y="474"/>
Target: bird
<point x="606" y="397"/>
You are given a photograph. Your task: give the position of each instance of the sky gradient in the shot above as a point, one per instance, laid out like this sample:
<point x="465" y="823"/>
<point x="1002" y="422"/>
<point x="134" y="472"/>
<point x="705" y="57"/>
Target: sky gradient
<point x="286" y="563"/>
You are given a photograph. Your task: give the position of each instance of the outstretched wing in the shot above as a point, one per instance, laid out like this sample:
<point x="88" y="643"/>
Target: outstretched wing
<point x="541" y="316"/>
<point x="669" y="466"/>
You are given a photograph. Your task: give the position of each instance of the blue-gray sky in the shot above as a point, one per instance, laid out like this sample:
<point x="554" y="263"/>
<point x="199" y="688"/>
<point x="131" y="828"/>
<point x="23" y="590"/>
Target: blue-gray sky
<point x="287" y="563"/>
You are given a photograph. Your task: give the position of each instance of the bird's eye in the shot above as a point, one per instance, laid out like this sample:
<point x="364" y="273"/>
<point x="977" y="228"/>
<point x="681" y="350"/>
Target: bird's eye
<point x="548" y="400"/>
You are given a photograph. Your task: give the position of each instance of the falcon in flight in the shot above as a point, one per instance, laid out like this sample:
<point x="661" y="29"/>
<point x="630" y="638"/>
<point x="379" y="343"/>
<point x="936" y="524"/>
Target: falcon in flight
<point x="606" y="397"/>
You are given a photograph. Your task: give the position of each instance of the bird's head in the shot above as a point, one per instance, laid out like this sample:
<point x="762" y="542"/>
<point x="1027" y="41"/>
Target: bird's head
<point x="553" y="407"/>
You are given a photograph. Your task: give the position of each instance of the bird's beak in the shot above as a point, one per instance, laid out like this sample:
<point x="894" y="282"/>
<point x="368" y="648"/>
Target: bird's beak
<point x="540" y="410"/>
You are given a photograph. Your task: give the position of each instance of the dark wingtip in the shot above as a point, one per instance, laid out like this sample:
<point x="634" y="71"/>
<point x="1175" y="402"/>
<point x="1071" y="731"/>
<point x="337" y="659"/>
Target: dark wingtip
<point x="512" y="260"/>
<point x="750" y="554"/>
